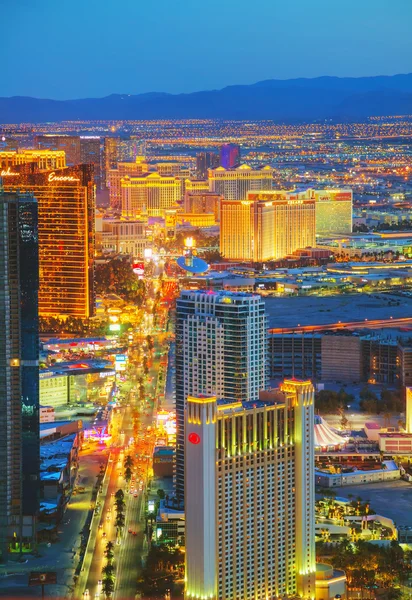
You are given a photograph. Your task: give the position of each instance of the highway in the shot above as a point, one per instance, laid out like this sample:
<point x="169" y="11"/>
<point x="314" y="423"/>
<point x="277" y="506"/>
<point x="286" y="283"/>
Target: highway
<point x="94" y="558"/>
<point x="129" y="548"/>
<point x="127" y="555"/>
<point x="340" y="325"/>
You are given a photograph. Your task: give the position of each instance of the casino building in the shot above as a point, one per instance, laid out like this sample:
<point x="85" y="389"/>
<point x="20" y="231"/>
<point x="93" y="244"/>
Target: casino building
<point x="249" y="495"/>
<point x="266" y="226"/>
<point x="150" y="192"/>
<point x="66" y="205"/>
<point x="45" y="159"/>
<point x="234" y="184"/>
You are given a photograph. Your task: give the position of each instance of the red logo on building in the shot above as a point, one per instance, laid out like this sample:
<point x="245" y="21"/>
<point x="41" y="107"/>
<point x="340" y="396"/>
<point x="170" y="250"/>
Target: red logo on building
<point x="194" y="438"/>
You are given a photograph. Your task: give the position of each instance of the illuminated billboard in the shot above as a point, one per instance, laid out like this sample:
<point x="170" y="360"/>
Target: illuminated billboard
<point x="120" y="362"/>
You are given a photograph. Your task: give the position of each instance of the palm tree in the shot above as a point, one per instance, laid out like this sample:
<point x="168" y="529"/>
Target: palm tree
<point x="128" y="474"/>
<point x="128" y="461"/>
<point x="120" y="520"/>
<point x="108" y="587"/>
<point x="108" y="571"/>
<point x="119" y="494"/>
<point x="120" y="504"/>
<point x="109" y="550"/>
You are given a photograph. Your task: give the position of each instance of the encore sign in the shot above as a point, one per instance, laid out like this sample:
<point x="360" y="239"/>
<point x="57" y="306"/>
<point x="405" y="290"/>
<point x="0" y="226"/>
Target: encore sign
<point x="54" y="177"/>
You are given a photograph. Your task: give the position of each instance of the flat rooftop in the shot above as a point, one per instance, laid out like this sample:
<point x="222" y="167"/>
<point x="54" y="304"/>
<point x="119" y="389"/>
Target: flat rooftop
<point x="396" y="434"/>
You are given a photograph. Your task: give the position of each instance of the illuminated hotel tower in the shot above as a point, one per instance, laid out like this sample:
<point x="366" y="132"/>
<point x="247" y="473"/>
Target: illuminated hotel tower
<point x="247" y="230"/>
<point x="45" y="159"/>
<point x="234" y="184"/>
<point x="249" y="496"/>
<point x="294" y="221"/>
<point x="266" y="226"/>
<point x="220" y="349"/>
<point x="66" y="203"/>
<point x="205" y="161"/>
<point x="333" y="208"/>
<point x="149" y="191"/>
<point x="19" y="372"/>
<point x="229" y="155"/>
<point x="115" y="176"/>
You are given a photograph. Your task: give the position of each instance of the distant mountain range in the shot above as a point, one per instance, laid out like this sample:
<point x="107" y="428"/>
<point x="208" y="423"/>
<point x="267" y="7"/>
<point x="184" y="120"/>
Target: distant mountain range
<point x="289" y="100"/>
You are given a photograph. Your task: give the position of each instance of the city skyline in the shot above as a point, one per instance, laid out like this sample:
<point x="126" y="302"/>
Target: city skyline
<point x="205" y="287"/>
<point x="206" y="300"/>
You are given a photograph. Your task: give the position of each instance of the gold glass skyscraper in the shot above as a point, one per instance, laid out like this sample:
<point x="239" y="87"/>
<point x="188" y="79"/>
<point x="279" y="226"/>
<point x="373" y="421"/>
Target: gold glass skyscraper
<point x="66" y="203"/>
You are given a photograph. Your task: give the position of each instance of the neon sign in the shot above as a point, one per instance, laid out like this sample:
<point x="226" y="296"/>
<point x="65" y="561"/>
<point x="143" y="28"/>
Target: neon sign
<point x="54" y="177"/>
<point x="8" y="173"/>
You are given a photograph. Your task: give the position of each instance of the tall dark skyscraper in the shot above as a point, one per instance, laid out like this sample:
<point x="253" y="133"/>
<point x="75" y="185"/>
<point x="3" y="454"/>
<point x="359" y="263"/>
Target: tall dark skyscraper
<point x="117" y="149"/>
<point x="91" y="154"/>
<point x="229" y="156"/>
<point x="220" y="350"/>
<point x="19" y="371"/>
<point x="205" y="161"/>
<point x="69" y="143"/>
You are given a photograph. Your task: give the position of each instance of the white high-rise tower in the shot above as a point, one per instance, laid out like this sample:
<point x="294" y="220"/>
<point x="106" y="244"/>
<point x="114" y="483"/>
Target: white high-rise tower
<point x="249" y="496"/>
<point x="220" y="349"/>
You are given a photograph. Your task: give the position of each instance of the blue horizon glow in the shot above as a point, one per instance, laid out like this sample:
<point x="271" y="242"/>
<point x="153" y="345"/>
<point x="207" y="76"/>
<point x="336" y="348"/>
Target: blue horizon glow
<point x="96" y="48"/>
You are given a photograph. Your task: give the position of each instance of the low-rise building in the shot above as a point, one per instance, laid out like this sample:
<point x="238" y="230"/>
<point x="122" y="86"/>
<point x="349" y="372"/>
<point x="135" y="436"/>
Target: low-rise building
<point x="46" y="414"/>
<point x="395" y="443"/>
<point x="292" y="355"/>
<point x="363" y="244"/>
<point x="124" y="236"/>
<point x="219" y="280"/>
<point x="163" y="457"/>
<point x="66" y="382"/>
<point x="341" y="358"/>
<point x="372" y="431"/>
<point x="170" y="524"/>
<point x="196" y="219"/>
<point x="330" y="583"/>
<point x="389" y="472"/>
<point x="58" y="470"/>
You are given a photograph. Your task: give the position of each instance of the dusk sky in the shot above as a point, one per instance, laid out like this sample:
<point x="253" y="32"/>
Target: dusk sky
<point x="99" y="47"/>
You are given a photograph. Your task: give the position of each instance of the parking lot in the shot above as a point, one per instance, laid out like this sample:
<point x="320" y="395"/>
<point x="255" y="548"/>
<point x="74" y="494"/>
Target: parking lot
<point x="317" y="310"/>
<point x="391" y="499"/>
